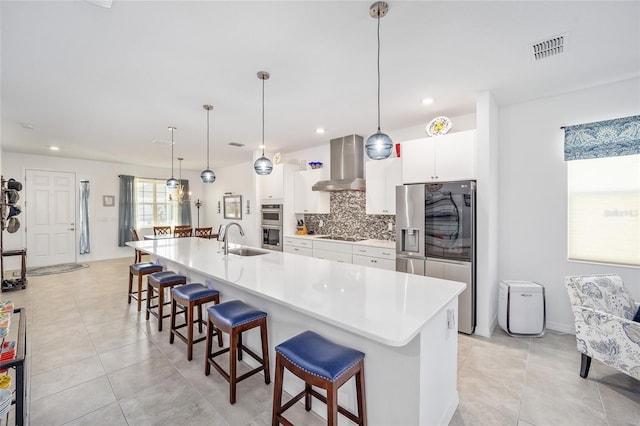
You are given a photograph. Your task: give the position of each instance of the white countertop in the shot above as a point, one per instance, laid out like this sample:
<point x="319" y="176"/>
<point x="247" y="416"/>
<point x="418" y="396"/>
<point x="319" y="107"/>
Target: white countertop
<point x="386" y="306"/>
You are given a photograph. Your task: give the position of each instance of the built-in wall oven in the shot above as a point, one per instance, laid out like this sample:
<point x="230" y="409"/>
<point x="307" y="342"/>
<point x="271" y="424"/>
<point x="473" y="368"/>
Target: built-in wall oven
<point x="271" y="226"/>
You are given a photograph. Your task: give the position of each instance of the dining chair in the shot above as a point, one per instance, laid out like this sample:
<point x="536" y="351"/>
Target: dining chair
<point x="181" y="232"/>
<point x="204" y="232"/>
<point x="138" y="254"/>
<point x="178" y="227"/>
<point x="161" y="230"/>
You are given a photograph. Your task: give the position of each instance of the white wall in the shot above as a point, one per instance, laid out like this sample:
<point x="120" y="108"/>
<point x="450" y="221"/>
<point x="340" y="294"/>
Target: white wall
<point x="103" y="179"/>
<point x="533" y="190"/>
<point x="239" y="180"/>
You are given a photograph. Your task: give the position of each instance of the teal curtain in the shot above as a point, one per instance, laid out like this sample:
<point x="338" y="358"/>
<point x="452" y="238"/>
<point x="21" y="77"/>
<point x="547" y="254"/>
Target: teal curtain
<point x="184" y="209"/>
<point x="610" y="138"/>
<point x="126" y="210"/>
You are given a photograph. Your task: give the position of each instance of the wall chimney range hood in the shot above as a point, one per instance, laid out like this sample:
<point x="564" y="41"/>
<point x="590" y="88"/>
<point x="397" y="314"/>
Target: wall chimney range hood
<point x="347" y="166"/>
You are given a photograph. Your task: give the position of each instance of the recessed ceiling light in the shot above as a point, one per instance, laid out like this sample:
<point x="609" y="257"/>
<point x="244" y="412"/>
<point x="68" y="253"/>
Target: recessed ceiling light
<point x="320" y="130"/>
<point x="54" y="148"/>
<point x="428" y="101"/>
<point x="26" y="126"/>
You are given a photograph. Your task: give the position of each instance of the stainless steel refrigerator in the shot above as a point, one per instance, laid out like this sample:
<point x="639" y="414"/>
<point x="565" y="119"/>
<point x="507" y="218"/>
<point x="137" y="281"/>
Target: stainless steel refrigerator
<point x="435" y="237"/>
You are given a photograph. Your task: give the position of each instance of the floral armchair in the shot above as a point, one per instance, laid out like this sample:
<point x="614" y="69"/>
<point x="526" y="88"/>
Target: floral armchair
<point x="605" y="329"/>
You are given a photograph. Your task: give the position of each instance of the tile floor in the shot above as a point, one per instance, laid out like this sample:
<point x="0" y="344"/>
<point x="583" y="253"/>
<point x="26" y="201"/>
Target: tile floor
<point x="95" y="361"/>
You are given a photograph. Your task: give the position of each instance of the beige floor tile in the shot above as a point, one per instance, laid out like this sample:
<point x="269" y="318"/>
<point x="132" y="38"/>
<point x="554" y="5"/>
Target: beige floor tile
<point x="55" y="380"/>
<point x="620" y="402"/>
<point x="64" y="352"/>
<point x="148" y="373"/>
<point x="105" y="341"/>
<point x="72" y="403"/>
<point x="128" y="355"/>
<point x="200" y="413"/>
<point x="111" y="415"/>
<point x="159" y="402"/>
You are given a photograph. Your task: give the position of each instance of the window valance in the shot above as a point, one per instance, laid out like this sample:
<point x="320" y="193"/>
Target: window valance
<point x="610" y="138"/>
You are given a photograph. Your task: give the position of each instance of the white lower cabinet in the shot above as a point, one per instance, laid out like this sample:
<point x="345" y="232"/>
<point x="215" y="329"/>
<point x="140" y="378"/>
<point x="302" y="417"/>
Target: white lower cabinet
<point x="374" y="262"/>
<point x="376" y="257"/>
<point x="332" y="255"/>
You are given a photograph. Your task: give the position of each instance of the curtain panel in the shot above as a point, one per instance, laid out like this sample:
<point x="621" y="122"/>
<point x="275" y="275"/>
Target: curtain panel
<point x="184" y="209"/>
<point x="126" y="210"/>
<point x="610" y="138"/>
<point x="85" y="240"/>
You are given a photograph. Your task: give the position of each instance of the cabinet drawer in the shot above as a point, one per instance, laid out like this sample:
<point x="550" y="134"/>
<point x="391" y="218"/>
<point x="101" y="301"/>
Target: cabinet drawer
<point x="297" y="242"/>
<point x="381" y="252"/>
<point x="332" y="255"/>
<point x="374" y="262"/>
<point x="332" y="246"/>
<point x="298" y="250"/>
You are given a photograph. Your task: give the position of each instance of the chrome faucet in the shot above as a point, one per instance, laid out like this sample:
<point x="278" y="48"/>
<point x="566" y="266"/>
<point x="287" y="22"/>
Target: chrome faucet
<point x="225" y="236"/>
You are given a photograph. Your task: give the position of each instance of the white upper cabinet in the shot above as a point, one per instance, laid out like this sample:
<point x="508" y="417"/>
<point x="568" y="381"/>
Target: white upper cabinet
<point x="382" y="178"/>
<point x="306" y="200"/>
<point x="273" y="187"/>
<point x="440" y="158"/>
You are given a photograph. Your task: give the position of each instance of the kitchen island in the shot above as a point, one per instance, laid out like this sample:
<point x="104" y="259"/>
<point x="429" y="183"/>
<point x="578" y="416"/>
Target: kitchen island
<point x="405" y="324"/>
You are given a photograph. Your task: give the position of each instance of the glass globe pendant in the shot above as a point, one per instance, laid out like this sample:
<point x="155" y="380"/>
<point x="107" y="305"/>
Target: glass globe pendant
<point x="207" y="175"/>
<point x="379" y="145"/>
<point x="263" y="165"/>
<point x="173" y="182"/>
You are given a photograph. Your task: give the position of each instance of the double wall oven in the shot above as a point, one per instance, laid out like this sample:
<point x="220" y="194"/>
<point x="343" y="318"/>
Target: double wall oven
<point x="271" y="224"/>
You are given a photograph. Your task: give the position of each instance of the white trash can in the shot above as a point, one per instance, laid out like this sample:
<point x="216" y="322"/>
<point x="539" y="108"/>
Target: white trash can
<point x="521" y="308"/>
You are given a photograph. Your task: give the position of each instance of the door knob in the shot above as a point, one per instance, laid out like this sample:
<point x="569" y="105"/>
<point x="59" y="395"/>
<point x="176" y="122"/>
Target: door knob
<point x="71" y="229"/>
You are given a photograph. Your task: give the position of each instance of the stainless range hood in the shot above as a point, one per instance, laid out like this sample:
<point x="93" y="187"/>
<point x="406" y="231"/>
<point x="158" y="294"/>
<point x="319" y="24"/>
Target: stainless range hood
<point x="347" y="166"/>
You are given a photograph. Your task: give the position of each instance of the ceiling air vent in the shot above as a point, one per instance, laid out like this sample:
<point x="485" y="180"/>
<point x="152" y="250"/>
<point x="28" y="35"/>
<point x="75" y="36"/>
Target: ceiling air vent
<point x="236" y="144"/>
<point x="550" y="47"/>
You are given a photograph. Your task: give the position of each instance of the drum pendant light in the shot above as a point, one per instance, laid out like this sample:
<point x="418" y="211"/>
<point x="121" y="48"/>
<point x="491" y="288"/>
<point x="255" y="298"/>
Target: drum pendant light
<point x="263" y="165"/>
<point x="378" y="145"/>
<point x="173" y="182"/>
<point x="208" y="176"/>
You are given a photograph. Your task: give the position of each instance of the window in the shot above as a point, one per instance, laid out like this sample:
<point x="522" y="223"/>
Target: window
<point x="604" y="210"/>
<point x="152" y="205"/>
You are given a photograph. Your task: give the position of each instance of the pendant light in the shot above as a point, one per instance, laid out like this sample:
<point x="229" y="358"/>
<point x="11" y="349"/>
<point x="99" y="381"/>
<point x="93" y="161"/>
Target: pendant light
<point x="173" y="182"/>
<point x="378" y="145"/>
<point x="263" y="165"/>
<point x="207" y="175"/>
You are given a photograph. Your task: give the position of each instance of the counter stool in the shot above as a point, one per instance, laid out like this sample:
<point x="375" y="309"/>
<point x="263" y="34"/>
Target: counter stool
<point x="189" y="296"/>
<point x="322" y="363"/>
<point x="140" y="269"/>
<point x="157" y="283"/>
<point x="235" y="317"/>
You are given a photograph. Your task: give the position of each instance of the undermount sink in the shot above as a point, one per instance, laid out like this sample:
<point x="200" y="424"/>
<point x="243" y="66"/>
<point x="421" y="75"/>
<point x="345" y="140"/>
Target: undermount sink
<point x="246" y="252"/>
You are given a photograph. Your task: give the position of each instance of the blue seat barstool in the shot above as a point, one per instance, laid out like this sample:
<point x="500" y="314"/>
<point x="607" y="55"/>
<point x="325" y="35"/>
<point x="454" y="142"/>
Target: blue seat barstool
<point x="190" y="296"/>
<point x="234" y="318"/>
<point x="140" y="269"/>
<point x="322" y="363"/>
<point x="157" y="283"/>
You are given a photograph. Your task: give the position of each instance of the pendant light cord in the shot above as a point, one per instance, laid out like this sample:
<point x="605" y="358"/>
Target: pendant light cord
<point x="172" y="129"/>
<point x="208" y="139"/>
<point x="263" y="117"/>
<point x="378" y="69"/>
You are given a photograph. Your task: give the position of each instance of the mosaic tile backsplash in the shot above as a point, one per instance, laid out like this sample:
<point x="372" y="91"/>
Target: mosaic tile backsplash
<point x="348" y="218"/>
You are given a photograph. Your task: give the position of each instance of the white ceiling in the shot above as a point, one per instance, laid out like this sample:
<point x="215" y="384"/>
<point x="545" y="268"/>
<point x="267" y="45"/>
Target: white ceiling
<point x="104" y="83"/>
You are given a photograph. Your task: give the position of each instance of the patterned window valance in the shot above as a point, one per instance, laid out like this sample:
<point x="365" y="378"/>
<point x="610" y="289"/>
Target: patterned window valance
<point x="610" y="138"/>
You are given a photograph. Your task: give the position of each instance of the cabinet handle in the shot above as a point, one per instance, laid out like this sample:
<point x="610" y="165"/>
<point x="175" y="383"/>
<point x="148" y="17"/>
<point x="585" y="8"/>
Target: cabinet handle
<point x="295" y="249"/>
<point x="374" y="261"/>
<point x="362" y="251"/>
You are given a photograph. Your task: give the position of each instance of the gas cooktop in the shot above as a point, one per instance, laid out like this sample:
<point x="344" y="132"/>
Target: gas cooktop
<point x="339" y="238"/>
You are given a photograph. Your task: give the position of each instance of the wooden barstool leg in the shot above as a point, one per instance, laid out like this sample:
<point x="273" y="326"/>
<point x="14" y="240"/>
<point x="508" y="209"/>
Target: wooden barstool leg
<point x="190" y="331"/>
<point x="240" y="346"/>
<point x="200" y="318"/>
<point x="160" y="304"/>
<point x="332" y="405"/>
<point x="207" y="366"/>
<point x="148" y="304"/>
<point x="233" y="349"/>
<point x="307" y="397"/>
<point x="130" y="287"/>
<point x="362" y="408"/>
<point x="277" y="393"/>
<point x="140" y="276"/>
<point x="173" y="320"/>
<point x="265" y="351"/>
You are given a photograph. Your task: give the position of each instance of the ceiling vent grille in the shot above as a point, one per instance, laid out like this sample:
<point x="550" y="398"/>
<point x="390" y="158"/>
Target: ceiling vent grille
<point x="236" y="144"/>
<point x="550" y="47"/>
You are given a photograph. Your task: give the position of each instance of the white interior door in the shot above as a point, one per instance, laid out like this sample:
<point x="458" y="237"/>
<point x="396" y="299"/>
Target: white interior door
<point x="51" y="217"/>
